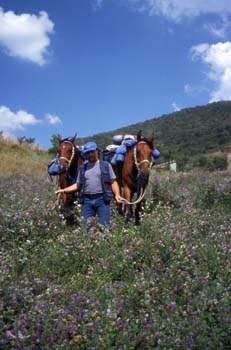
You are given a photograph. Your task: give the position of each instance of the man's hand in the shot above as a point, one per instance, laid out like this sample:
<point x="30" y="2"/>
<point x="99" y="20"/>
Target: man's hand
<point x="72" y="188"/>
<point x="61" y="190"/>
<point x="118" y="198"/>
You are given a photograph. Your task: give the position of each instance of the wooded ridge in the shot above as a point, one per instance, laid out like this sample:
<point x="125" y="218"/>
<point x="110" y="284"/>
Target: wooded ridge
<point x="189" y="136"/>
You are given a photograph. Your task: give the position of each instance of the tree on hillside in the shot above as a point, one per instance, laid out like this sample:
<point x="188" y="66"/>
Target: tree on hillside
<point x="26" y="140"/>
<point x="55" y="144"/>
<point x="167" y="154"/>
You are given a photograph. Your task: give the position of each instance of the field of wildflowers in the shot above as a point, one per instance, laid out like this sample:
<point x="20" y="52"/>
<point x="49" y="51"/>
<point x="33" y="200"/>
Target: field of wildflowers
<point x="165" y="284"/>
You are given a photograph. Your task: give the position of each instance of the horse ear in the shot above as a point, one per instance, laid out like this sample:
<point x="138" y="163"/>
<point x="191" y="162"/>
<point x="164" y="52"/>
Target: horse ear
<point x="151" y="138"/>
<point x="139" y="136"/>
<point x="59" y="137"/>
<point x="72" y="139"/>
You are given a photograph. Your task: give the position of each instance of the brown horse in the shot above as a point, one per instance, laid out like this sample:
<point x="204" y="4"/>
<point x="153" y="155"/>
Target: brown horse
<point x="69" y="162"/>
<point x="134" y="174"/>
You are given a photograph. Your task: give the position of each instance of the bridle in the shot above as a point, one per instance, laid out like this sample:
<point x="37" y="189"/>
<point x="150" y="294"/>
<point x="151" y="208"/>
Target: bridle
<point x="72" y="154"/>
<point x="138" y="164"/>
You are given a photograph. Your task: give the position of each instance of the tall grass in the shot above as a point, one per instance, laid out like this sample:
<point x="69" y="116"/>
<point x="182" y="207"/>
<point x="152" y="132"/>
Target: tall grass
<point x="21" y="158"/>
<point x="162" y="285"/>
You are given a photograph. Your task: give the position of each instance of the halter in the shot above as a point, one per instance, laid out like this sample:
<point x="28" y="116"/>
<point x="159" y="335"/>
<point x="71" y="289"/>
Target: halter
<point x="72" y="154"/>
<point x="138" y="164"/>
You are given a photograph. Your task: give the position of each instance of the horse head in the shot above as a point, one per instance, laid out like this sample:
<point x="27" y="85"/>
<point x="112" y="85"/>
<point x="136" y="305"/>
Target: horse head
<point x="67" y="152"/>
<point x="142" y="153"/>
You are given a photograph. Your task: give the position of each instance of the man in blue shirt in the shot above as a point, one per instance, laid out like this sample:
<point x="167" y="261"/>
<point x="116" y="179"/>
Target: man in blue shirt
<point x="96" y="183"/>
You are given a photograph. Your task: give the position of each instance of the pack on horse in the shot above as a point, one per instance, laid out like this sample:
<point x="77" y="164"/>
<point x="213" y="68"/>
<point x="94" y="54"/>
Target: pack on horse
<point x="133" y="176"/>
<point x="69" y="161"/>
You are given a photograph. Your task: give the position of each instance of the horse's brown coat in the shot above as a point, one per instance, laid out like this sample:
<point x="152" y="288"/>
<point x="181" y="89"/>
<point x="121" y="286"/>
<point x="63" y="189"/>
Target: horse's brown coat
<point x="69" y="162"/>
<point x="132" y="169"/>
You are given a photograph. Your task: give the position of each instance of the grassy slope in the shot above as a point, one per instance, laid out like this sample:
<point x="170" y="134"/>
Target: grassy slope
<point x="162" y="285"/>
<point x="21" y="159"/>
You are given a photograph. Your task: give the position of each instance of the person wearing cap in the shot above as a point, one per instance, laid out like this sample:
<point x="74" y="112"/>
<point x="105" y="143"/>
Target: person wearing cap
<point x="96" y="182"/>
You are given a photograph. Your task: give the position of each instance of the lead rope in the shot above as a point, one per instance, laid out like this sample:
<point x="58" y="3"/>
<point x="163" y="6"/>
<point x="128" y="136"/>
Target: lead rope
<point x="58" y="197"/>
<point x="56" y="205"/>
<point x="139" y="199"/>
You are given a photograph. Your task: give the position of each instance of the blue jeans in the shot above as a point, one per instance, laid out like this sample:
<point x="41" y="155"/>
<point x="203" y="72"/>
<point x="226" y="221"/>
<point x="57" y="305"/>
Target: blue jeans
<point x="93" y="206"/>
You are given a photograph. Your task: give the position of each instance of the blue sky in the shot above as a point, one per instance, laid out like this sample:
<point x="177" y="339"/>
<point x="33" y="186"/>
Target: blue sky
<point x="90" y="66"/>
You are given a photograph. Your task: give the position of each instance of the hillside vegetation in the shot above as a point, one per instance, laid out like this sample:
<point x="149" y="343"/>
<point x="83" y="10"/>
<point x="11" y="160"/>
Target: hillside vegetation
<point x="21" y="158"/>
<point x="193" y="136"/>
<point x="162" y="285"/>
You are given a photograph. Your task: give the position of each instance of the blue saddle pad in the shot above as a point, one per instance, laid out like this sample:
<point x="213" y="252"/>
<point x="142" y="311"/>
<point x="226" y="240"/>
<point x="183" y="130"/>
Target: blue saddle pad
<point x="107" y="155"/>
<point x="53" y="166"/>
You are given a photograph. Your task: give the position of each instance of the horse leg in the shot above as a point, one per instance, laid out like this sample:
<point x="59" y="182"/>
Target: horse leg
<point x="137" y="213"/>
<point x="138" y="208"/>
<point x="66" y="207"/>
<point x="120" y="208"/>
<point x="128" y="207"/>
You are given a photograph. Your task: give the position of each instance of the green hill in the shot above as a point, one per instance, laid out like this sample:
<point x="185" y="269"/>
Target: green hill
<point x="191" y="136"/>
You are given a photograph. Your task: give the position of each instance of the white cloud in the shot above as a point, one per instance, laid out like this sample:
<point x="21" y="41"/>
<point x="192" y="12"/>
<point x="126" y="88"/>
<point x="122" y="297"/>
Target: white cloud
<point x="177" y="9"/>
<point x="12" y="121"/>
<point x="188" y="89"/>
<point x="194" y="90"/>
<point x="26" y="35"/>
<point x="221" y="29"/>
<point x="53" y="119"/>
<point x="99" y="3"/>
<point x="217" y="57"/>
<point x="176" y="107"/>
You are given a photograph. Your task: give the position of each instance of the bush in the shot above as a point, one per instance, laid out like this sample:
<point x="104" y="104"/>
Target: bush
<point x="211" y="162"/>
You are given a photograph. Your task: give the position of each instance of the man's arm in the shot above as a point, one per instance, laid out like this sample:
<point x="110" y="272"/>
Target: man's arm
<point x="73" y="188"/>
<point x="116" y="190"/>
